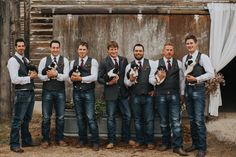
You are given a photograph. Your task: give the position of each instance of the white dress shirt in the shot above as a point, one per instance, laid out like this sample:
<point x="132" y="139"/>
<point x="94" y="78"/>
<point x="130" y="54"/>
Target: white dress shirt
<point x="154" y="66"/>
<point x="94" y="70"/>
<point x="60" y="77"/>
<point x="205" y="62"/>
<point x="13" y="68"/>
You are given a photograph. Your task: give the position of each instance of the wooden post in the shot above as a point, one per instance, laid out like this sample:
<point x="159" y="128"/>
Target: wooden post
<point x="27" y="27"/>
<point x="5" y="83"/>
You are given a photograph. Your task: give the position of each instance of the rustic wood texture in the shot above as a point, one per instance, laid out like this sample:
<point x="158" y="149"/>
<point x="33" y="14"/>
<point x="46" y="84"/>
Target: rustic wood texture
<point x="5" y="83"/>
<point x="151" y="30"/>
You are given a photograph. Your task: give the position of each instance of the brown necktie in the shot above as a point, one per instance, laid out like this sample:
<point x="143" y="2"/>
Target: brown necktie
<point x="82" y="63"/>
<point x="116" y="63"/>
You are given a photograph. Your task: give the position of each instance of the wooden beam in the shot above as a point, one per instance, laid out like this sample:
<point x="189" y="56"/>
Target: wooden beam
<point x="27" y="27"/>
<point x="5" y="84"/>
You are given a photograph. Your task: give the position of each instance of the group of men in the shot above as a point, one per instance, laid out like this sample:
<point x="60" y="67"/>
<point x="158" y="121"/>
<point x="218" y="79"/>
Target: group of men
<point x="164" y="83"/>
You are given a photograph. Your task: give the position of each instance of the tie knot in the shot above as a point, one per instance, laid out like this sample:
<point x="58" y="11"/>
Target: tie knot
<point x="55" y="59"/>
<point x="168" y="61"/>
<point x="190" y="56"/>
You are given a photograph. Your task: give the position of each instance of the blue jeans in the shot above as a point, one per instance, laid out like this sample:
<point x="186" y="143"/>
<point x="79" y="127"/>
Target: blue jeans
<point x="195" y="104"/>
<point x="85" y="112"/>
<point x="50" y="99"/>
<point x="23" y="109"/>
<point x="143" y="110"/>
<point x="168" y="106"/>
<point x="124" y="107"/>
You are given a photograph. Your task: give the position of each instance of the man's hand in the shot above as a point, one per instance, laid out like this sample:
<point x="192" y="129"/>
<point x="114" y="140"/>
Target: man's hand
<point x="132" y="78"/>
<point x="33" y="75"/>
<point x="52" y="73"/>
<point x="75" y="77"/>
<point x="114" y="80"/>
<point x="191" y="78"/>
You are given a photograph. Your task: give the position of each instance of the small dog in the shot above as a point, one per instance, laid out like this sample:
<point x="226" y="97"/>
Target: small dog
<point x="53" y="65"/>
<point x="113" y="73"/>
<point x="31" y="67"/>
<point x="133" y="72"/>
<point x="190" y="65"/>
<point x="160" y="69"/>
<point x="76" y="69"/>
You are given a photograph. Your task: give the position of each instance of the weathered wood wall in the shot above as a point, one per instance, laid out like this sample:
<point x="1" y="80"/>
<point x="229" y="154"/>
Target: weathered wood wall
<point x="152" y="31"/>
<point x="173" y="19"/>
<point x="9" y="26"/>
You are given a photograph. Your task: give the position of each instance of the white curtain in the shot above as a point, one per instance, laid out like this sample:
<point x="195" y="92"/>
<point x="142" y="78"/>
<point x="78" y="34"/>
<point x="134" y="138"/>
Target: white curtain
<point x="222" y="43"/>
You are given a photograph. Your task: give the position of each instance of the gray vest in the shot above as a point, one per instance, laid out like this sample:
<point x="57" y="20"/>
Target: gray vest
<point x="23" y="72"/>
<point x="197" y="69"/>
<point x="54" y="84"/>
<point x="171" y="83"/>
<point x="85" y="71"/>
<point x="143" y="86"/>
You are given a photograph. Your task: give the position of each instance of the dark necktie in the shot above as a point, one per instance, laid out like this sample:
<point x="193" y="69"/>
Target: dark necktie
<point x="139" y="65"/>
<point x="168" y="65"/>
<point x="25" y="61"/>
<point x="81" y="63"/>
<point x="116" y="63"/>
<point x="189" y="56"/>
<point x="55" y="59"/>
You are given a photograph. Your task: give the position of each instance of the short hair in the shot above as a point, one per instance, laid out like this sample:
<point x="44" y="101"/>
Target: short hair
<point x="191" y="37"/>
<point x="55" y="41"/>
<point x="168" y="44"/>
<point x="19" y="40"/>
<point x="138" y="45"/>
<point x="83" y="43"/>
<point x="112" y="44"/>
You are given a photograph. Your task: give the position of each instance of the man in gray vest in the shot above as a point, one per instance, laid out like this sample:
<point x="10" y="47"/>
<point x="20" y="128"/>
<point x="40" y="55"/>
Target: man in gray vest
<point x="115" y="93"/>
<point x="141" y="92"/>
<point x="53" y="71"/>
<point x="198" y="69"/>
<point x="83" y="74"/>
<point x="23" y="81"/>
<point x="167" y="76"/>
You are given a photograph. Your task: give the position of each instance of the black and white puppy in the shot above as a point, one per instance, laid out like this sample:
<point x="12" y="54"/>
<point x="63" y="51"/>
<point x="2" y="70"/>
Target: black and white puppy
<point x="160" y="69"/>
<point x="190" y="65"/>
<point x="133" y="72"/>
<point x="53" y="65"/>
<point x="113" y="73"/>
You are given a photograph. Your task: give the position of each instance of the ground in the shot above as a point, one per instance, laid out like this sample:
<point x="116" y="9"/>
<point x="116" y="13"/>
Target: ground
<point x="216" y="148"/>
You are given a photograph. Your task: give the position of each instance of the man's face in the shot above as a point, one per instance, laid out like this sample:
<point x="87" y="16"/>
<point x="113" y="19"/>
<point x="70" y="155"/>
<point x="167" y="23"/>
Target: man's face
<point x="113" y="52"/>
<point x="168" y="51"/>
<point x="191" y="45"/>
<point x="138" y="52"/>
<point x="20" y="48"/>
<point x="82" y="51"/>
<point x="55" y="49"/>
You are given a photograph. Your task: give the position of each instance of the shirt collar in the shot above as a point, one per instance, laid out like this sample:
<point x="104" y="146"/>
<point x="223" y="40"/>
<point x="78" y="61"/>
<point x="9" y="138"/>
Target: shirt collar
<point x="57" y="57"/>
<point x="141" y="60"/>
<point x="165" y="59"/>
<point x="85" y="58"/>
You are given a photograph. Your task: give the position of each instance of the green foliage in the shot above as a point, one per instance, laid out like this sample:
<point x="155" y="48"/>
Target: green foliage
<point x="100" y="108"/>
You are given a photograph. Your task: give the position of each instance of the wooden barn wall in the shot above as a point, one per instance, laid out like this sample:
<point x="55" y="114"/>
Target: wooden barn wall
<point x="152" y="31"/>
<point x="9" y="30"/>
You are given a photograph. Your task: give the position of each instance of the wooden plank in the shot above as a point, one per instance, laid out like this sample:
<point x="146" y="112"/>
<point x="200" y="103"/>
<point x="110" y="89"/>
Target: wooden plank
<point x="27" y="27"/>
<point x="5" y="85"/>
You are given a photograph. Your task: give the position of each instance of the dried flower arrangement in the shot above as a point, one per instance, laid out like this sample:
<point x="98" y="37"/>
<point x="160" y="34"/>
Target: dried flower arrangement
<point x="212" y="84"/>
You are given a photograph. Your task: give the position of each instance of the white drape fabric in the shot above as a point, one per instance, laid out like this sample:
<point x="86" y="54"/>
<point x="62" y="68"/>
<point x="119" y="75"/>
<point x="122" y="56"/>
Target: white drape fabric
<point x="222" y="43"/>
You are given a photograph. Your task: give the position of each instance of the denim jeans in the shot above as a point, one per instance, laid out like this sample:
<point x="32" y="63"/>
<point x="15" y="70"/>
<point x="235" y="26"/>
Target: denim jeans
<point x="168" y="106"/>
<point x="195" y="104"/>
<point x="52" y="98"/>
<point x="23" y="109"/>
<point x="85" y="113"/>
<point x="143" y="111"/>
<point x="124" y="107"/>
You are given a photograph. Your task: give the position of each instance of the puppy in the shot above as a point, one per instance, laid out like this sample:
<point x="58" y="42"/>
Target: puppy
<point x="31" y="67"/>
<point x="53" y="65"/>
<point x="190" y="65"/>
<point x="113" y="73"/>
<point x="161" y="70"/>
<point x="133" y="72"/>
